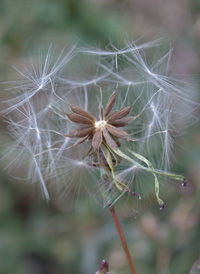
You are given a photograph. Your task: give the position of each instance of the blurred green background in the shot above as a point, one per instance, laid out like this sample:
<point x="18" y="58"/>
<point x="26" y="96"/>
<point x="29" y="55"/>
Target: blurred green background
<point x="57" y="238"/>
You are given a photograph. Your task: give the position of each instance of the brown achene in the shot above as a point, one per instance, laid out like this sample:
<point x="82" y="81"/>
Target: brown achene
<point x="102" y="130"/>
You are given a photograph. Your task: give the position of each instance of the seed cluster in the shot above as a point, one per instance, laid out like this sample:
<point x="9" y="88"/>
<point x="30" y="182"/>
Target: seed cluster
<point x="105" y="130"/>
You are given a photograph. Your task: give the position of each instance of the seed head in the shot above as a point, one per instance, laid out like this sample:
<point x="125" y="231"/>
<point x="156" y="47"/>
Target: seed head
<point x="114" y="162"/>
<point x="104" y="131"/>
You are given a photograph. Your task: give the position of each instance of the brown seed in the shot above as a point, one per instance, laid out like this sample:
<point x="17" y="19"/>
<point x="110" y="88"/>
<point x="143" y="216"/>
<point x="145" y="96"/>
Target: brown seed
<point x="81" y="140"/>
<point x="76" y="118"/>
<point x="117" y="132"/>
<point x="110" y="104"/>
<point x="80" y="132"/>
<point x="97" y="139"/>
<point x="82" y="112"/>
<point x="118" y="114"/>
<point x="122" y="122"/>
<point x="100" y="112"/>
<point x="109" y="140"/>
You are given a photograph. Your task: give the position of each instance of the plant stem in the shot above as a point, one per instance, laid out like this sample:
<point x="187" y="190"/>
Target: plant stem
<point x="122" y="239"/>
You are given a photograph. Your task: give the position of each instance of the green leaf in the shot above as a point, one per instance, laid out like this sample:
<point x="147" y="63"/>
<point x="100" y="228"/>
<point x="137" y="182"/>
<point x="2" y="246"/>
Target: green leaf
<point x="119" y="185"/>
<point x="150" y="169"/>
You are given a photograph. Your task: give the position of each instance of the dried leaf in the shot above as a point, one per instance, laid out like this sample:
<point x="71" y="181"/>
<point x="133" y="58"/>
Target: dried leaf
<point x="80" y="132"/>
<point x="119" y="185"/>
<point x="109" y="140"/>
<point x="76" y="118"/>
<point x="117" y="132"/>
<point x="110" y="104"/>
<point x="82" y="112"/>
<point x="122" y="122"/>
<point x="118" y="114"/>
<point x="97" y="139"/>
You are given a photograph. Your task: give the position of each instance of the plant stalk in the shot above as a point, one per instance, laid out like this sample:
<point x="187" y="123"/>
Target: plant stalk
<point x="122" y="239"/>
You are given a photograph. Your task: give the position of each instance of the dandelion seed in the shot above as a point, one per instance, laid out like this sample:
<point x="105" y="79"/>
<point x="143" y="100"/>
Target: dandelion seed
<point x="37" y="78"/>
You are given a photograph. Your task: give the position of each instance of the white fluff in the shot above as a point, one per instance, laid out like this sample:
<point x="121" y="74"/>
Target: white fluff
<point x="37" y="122"/>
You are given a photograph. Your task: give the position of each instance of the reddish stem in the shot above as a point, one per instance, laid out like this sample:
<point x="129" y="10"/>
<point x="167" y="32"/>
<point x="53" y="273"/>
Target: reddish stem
<point x="122" y="239"/>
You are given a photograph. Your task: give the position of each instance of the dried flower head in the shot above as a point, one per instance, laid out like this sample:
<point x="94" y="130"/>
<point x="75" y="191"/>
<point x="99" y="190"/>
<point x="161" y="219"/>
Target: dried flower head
<point x="106" y="160"/>
<point x="100" y="132"/>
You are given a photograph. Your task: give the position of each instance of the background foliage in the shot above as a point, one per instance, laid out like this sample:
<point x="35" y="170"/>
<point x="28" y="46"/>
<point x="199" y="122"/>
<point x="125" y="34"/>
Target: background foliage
<point x="59" y="237"/>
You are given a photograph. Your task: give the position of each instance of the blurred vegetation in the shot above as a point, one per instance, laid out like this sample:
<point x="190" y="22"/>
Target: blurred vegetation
<point x="58" y="238"/>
